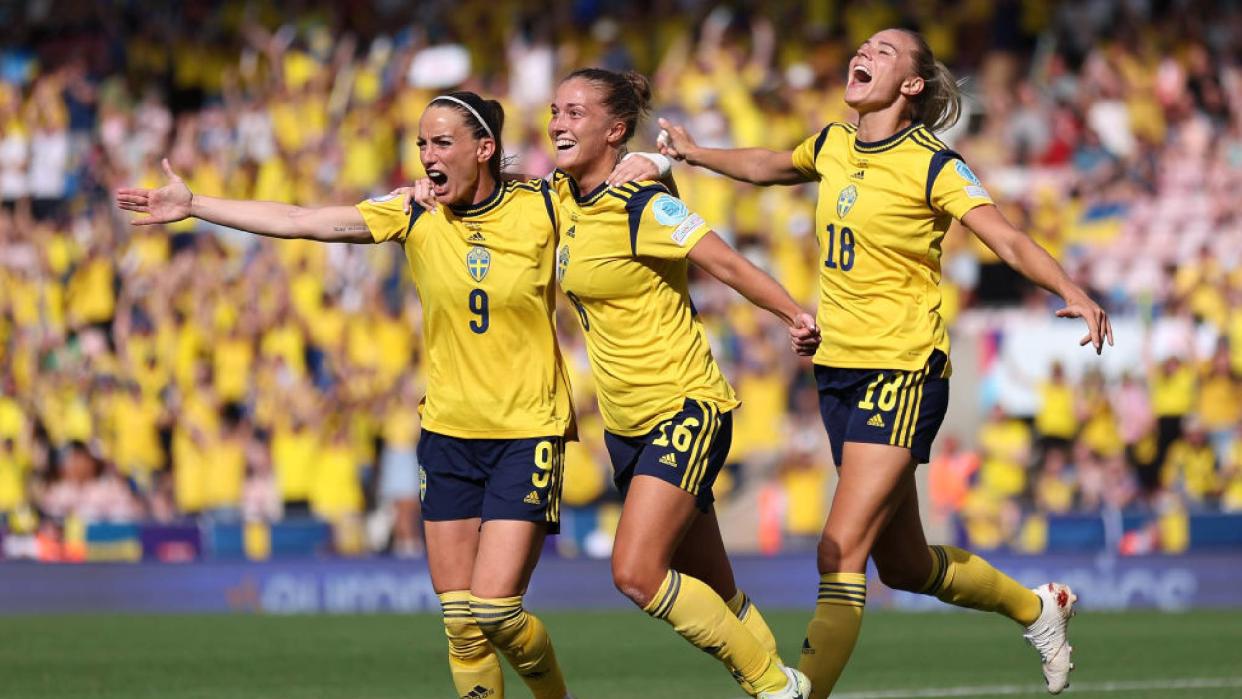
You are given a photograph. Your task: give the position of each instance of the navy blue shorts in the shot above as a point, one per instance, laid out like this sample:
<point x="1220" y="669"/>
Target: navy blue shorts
<point x="518" y="479"/>
<point x="877" y="406"/>
<point x="687" y="450"/>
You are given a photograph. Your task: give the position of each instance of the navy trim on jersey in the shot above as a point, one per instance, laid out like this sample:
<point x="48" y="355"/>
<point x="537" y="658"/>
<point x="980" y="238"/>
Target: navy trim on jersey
<point x="415" y="212"/>
<point x="484" y="206"/>
<point x="590" y="197"/>
<point x="938" y="161"/>
<point x="819" y="141"/>
<point x="887" y="143"/>
<point x="635" y="206"/>
<point x="546" y="190"/>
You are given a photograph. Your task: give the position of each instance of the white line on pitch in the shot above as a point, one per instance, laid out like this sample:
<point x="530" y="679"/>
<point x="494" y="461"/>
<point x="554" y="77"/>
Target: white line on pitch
<point x="1015" y="689"/>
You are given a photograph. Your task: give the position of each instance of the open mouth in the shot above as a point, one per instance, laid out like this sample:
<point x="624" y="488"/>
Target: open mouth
<point x="437" y="178"/>
<point x="564" y="144"/>
<point x="861" y="74"/>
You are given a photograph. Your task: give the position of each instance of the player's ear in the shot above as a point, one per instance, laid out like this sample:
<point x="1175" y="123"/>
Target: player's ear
<point x="485" y="150"/>
<point x="616" y="134"/>
<point x="912" y="86"/>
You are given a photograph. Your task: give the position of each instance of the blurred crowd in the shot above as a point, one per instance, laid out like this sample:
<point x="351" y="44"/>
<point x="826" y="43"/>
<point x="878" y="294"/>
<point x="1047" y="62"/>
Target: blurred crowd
<point x="165" y="372"/>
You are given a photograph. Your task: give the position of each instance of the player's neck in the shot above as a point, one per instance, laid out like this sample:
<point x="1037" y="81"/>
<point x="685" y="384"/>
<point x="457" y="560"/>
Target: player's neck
<point x="881" y="124"/>
<point x="484" y="189"/>
<point x="595" y="173"/>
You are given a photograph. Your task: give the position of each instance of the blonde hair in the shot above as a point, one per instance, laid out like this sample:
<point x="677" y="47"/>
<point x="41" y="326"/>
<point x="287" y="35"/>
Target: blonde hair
<point x="939" y="105"/>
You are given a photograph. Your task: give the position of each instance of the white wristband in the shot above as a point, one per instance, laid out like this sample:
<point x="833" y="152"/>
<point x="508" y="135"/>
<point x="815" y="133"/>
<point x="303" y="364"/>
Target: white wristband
<point x="662" y="163"/>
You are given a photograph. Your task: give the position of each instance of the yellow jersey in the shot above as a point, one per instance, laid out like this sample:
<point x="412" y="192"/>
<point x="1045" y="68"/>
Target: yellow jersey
<point x="484" y="275"/>
<point x="622" y="263"/>
<point x="883" y="209"/>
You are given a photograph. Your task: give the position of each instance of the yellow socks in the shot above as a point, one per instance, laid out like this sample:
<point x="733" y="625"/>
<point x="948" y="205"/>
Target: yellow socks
<point x="966" y="580"/>
<point x="523" y="640"/>
<point x="697" y="613"/>
<point x="473" y="662"/>
<point x="749" y="615"/>
<point x="831" y="635"/>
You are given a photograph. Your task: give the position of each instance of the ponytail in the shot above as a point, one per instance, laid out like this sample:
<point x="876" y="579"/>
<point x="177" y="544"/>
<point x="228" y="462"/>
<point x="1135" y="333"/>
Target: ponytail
<point x="939" y="105"/>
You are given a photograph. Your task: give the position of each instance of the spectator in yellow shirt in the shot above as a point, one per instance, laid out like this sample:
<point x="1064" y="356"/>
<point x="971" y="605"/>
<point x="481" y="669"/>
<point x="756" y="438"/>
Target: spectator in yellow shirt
<point x="1190" y="466"/>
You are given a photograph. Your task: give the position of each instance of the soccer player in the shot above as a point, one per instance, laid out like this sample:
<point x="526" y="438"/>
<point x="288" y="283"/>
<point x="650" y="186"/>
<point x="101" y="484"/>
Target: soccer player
<point x="665" y="404"/>
<point x="888" y="190"/>
<point x="623" y="263"/>
<point x="497" y="409"/>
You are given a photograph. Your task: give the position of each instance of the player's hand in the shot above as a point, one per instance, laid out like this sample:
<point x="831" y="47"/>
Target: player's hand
<point x="167" y="204"/>
<point x="633" y="169"/>
<point x="674" y="141"/>
<point x="1099" y="328"/>
<point x="804" y="336"/>
<point x="420" y="193"/>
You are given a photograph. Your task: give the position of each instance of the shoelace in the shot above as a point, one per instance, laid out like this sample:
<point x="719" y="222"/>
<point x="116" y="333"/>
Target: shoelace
<point x="1042" y="640"/>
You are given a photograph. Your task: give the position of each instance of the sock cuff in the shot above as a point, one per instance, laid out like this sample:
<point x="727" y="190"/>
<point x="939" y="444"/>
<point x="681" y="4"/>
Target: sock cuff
<point x="939" y="568"/>
<point x="662" y="603"/>
<point x="455" y="604"/>
<point x="497" y="611"/>
<point x="844" y="589"/>
<point x="739" y="604"/>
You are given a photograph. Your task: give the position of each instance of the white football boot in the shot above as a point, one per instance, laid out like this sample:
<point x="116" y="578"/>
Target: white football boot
<point x="1049" y="634"/>
<point x="798" y="687"/>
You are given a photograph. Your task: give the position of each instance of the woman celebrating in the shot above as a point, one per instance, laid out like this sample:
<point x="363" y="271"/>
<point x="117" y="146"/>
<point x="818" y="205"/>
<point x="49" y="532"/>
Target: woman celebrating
<point x="497" y="408"/>
<point x="888" y="190"/>
<point x="666" y="406"/>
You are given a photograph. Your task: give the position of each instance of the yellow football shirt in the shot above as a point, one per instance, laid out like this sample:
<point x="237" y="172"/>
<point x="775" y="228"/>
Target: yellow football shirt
<point x="883" y="209"/>
<point x="622" y="263"/>
<point x="484" y="276"/>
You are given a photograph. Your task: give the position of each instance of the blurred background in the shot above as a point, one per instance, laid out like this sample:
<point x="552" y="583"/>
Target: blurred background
<point x="192" y="393"/>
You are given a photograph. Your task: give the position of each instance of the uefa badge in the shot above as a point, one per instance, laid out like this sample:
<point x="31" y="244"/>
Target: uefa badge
<point x="845" y="201"/>
<point x="562" y="262"/>
<point x="478" y="261"/>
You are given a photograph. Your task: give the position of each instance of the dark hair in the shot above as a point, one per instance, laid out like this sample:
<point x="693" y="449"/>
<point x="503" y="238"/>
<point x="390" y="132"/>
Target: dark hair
<point x="627" y="95"/>
<point x="939" y="105"/>
<point x="494" y="118"/>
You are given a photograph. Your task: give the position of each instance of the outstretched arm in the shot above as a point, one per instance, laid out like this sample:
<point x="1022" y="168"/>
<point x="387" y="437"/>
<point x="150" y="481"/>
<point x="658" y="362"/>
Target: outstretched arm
<point x="1025" y="256"/>
<point x="174" y="202"/>
<point x="716" y="258"/>
<point x="755" y="165"/>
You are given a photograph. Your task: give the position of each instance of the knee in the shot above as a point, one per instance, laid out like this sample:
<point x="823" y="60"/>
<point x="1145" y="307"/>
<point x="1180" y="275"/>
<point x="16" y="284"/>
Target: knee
<point x="636" y="583"/>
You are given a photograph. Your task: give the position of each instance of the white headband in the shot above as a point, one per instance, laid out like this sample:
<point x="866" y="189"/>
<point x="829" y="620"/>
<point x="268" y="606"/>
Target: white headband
<point x="470" y="109"/>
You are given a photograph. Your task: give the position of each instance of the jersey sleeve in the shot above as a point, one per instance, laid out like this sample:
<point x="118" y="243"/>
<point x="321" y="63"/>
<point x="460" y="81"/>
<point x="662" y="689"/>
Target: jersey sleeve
<point x="661" y="225"/>
<point x="951" y="186"/>
<point x="386" y="220"/>
<point x="807" y="152"/>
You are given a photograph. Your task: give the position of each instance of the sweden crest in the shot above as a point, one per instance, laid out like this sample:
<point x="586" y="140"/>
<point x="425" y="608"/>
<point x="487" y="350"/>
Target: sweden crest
<point x="562" y="262"/>
<point x="845" y="201"/>
<point x="422" y="484"/>
<point x="478" y="261"/>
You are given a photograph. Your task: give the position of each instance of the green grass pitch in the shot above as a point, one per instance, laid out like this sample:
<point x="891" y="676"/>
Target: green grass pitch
<point x="606" y="655"/>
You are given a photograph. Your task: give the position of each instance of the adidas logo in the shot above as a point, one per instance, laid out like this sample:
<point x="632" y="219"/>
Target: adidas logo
<point x="669" y="460"/>
<point x="477" y="237"/>
<point x="876" y="420"/>
<point x="532" y="499"/>
<point x="570" y="232"/>
<point x="859" y="175"/>
<point x="806" y="647"/>
<point x="478" y="692"/>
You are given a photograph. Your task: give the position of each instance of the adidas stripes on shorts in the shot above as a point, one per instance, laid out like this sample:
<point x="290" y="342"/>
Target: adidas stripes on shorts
<point x="516" y="479"/>
<point x="687" y="450"/>
<point x="878" y="406"/>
